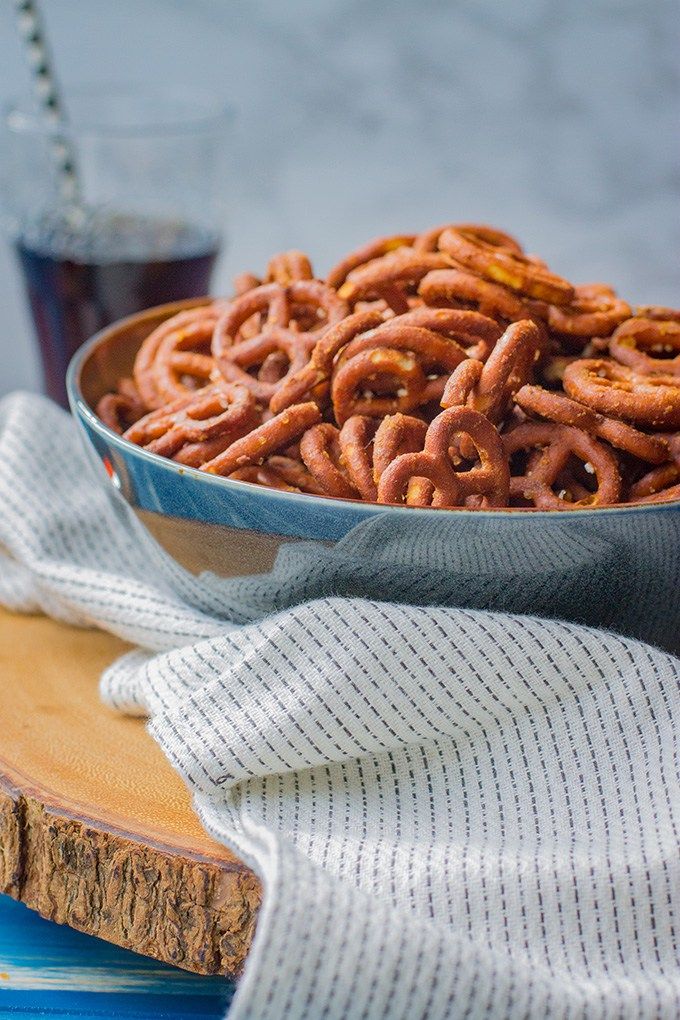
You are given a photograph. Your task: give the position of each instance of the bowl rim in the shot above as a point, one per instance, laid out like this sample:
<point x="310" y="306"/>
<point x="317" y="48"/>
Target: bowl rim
<point x="81" y="408"/>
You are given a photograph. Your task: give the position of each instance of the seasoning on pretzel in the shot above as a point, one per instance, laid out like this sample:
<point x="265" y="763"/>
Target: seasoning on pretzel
<point x="555" y="397"/>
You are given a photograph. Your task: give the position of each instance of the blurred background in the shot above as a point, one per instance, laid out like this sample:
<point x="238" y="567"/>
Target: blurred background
<point x="556" y="121"/>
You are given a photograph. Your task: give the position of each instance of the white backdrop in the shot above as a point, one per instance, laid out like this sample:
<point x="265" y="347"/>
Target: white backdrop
<point x="558" y="121"/>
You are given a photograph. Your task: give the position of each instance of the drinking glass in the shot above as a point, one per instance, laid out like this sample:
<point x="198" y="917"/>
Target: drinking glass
<point x="147" y="221"/>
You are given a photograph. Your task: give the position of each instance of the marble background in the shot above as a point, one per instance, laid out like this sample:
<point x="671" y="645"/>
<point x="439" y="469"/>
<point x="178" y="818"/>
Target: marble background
<point x="356" y="117"/>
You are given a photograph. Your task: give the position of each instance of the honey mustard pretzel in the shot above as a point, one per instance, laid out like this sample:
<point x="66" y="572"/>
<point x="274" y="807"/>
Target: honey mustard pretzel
<point x="486" y="484"/>
<point x="652" y="401"/>
<point x="501" y="265"/>
<point x="557" y="445"/>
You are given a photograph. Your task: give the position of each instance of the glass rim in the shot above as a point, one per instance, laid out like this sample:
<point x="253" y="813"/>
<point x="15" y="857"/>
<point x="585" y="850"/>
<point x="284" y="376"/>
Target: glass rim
<point x="23" y="116"/>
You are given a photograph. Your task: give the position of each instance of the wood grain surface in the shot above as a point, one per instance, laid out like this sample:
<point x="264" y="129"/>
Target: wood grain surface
<point x="96" y="829"/>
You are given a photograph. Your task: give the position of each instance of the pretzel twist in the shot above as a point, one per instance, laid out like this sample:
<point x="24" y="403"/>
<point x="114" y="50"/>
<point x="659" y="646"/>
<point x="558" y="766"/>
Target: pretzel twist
<point x="367" y="253"/>
<point x="648" y="345"/>
<point x="618" y="392"/>
<point x="489" y="388"/>
<point x="594" y="310"/>
<point x="501" y="265"/>
<point x="559" y="443"/>
<point x="200" y="417"/>
<point x="289" y="266"/>
<point x="273" y="435"/>
<point x="165" y="356"/>
<point x="280" y="310"/>
<point x="122" y="409"/>
<point x="313" y="380"/>
<point x="564" y="411"/>
<point x="486" y="484"/>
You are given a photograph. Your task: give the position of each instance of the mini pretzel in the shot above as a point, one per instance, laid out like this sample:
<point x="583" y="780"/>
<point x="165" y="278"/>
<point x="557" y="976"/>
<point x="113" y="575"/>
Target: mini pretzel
<point x="396" y="434"/>
<point x="404" y="267"/>
<point x="356" y="446"/>
<point x="465" y="290"/>
<point x="475" y="333"/>
<point x="367" y="253"/>
<point x="501" y="265"/>
<point x="558" y="408"/>
<point x="313" y="379"/>
<point x="648" y="345"/>
<point x="279" y="332"/>
<point x="489" y="387"/>
<point x="288" y="266"/>
<point x="618" y="392"/>
<point x="321" y="453"/>
<point x="167" y="355"/>
<point x="353" y="392"/>
<point x="276" y="434"/>
<point x="429" y="240"/>
<point x="437" y="355"/>
<point x="204" y="415"/>
<point x="662" y="477"/>
<point x="662" y="496"/>
<point x="279" y="472"/>
<point x="594" y="310"/>
<point x="488" y="482"/>
<point x="121" y="409"/>
<point x="558" y="443"/>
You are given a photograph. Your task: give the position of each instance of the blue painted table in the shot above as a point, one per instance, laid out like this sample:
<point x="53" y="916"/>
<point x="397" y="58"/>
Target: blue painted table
<point x="48" y="970"/>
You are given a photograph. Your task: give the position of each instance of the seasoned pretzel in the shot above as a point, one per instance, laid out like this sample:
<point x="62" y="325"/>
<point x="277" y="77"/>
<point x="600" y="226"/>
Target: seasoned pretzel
<point x="123" y="408"/>
<point x="361" y="373"/>
<point x="558" y="443"/>
<point x="404" y="267"/>
<point x="437" y="354"/>
<point x="565" y="411"/>
<point x="204" y="415"/>
<point x="396" y="434"/>
<point x="489" y="388"/>
<point x="313" y="380"/>
<point x="279" y="331"/>
<point x="475" y="333"/>
<point x="501" y="265"/>
<point x="367" y="253"/>
<point x="275" y="434"/>
<point x="429" y="240"/>
<point x="321" y="453"/>
<point x="465" y="290"/>
<point x="648" y="345"/>
<point x="594" y="310"/>
<point x="618" y="392"/>
<point x="197" y="454"/>
<point x="356" y="446"/>
<point x="661" y="496"/>
<point x="662" y="477"/>
<point x="288" y="266"/>
<point x="487" y="483"/>
<point x="166" y="355"/>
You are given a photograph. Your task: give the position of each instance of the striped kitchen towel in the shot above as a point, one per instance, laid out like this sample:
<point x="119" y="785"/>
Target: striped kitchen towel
<point x="454" y="813"/>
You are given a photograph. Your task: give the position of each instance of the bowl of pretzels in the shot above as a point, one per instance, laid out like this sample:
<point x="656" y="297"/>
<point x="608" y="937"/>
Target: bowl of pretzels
<point x="440" y="418"/>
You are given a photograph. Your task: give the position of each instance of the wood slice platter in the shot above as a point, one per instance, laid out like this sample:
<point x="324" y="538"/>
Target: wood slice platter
<point x="96" y="828"/>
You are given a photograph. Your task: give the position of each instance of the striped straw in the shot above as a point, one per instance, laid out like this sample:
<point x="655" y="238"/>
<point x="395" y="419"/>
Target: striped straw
<point x="47" y="94"/>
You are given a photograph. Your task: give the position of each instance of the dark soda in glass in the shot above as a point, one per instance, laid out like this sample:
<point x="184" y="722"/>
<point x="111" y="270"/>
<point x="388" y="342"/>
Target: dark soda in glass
<point x="80" y="278"/>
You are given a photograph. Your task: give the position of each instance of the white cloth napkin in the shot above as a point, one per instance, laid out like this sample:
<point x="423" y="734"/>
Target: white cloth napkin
<point x="453" y="813"/>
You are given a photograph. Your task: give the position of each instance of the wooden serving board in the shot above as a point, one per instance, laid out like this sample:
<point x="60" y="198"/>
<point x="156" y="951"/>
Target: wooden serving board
<point x="96" y="828"/>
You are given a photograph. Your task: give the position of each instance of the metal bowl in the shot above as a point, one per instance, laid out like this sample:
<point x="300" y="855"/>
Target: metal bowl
<point x="615" y="567"/>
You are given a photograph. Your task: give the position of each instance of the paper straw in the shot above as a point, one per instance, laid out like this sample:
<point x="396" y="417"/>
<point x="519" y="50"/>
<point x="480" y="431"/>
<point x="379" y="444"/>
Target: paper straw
<point x="46" y="91"/>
